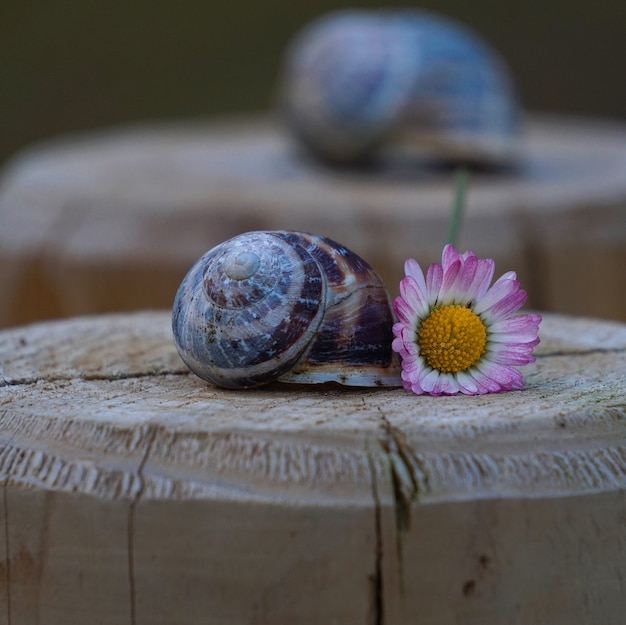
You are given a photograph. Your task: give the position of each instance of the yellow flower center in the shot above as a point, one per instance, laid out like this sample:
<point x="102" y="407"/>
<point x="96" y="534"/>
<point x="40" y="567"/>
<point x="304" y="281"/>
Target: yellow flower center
<point x="452" y="338"/>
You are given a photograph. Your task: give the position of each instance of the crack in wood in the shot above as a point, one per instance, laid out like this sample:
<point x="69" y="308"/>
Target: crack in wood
<point x="133" y="376"/>
<point x="376" y="590"/>
<point x="6" y="547"/>
<point x="131" y="526"/>
<point x="410" y="479"/>
<point x="112" y="377"/>
<point x="573" y="353"/>
<point x="405" y="466"/>
<point x="90" y="378"/>
<point x="5" y="482"/>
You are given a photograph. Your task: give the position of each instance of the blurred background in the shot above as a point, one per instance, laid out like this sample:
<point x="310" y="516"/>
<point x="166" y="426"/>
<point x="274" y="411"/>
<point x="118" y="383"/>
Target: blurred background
<point x="113" y="221"/>
<point x="78" y="64"/>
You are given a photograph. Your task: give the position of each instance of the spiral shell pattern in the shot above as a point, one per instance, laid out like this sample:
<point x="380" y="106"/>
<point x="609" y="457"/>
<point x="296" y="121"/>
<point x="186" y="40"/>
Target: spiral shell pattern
<point x="285" y="306"/>
<point x="357" y="83"/>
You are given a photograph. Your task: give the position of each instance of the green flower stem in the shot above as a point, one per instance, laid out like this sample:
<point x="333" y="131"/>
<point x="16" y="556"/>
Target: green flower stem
<point x="460" y="188"/>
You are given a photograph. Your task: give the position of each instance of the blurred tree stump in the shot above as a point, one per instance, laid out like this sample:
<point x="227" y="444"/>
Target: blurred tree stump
<point x="112" y="221"/>
<point x="133" y="492"/>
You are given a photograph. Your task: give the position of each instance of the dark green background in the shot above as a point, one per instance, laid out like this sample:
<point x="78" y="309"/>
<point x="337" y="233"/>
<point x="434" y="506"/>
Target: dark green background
<point x="72" y="65"/>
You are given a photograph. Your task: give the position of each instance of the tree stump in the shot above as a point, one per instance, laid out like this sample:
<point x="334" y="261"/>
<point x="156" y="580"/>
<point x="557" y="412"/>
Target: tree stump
<point x="133" y="492"/>
<point x="112" y="221"/>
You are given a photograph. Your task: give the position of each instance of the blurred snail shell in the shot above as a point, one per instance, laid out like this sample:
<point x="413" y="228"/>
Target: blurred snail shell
<point x="286" y="306"/>
<point x="357" y="83"/>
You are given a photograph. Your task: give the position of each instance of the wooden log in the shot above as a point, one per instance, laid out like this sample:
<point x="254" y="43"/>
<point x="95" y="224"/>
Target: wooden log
<point x="112" y="221"/>
<point x="133" y="492"/>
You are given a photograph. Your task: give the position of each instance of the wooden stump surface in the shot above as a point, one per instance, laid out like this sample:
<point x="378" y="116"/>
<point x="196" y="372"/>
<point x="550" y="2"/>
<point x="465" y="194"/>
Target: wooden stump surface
<point x="133" y="492"/>
<point x="112" y="221"/>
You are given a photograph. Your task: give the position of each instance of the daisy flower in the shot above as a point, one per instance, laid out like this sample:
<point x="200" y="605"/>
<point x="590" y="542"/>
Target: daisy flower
<point x="457" y="334"/>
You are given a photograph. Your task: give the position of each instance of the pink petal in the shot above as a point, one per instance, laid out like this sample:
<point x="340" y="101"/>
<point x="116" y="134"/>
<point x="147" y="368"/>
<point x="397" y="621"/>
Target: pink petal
<point x="468" y="254"/>
<point x="466" y="277"/>
<point x="485" y="384"/>
<point x="508" y="275"/>
<point x="518" y="323"/>
<point x="449" y="256"/>
<point x="397" y="345"/>
<point x="411" y="373"/>
<point x="413" y="296"/>
<point x="507" y="305"/>
<point x="446" y="385"/>
<point x="511" y="357"/>
<point x="434" y="278"/>
<point x="417" y="389"/>
<point x="482" y="279"/>
<point x="507" y="377"/>
<point x="526" y="338"/>
<point x="450" y="274"/>
<point x="403" y="311"/>
<point x="428" y="380"/>
<point x="402" y="347"/>
<point x="467" y="384"/>
<point x="500" y="290"/>
<point x="412" y="268"/>
<point x="413" y="365"/>
<point x="409" y="337"/>
<point x="397" y="329"/>
<point x="482" y="383"/>
<point x="519" y="348"/>
<point x="457" y="291"/>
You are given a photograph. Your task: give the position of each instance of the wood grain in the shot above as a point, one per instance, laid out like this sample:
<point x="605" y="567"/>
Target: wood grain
<point x="113" y="220"/>
<point x="133" y="492"/>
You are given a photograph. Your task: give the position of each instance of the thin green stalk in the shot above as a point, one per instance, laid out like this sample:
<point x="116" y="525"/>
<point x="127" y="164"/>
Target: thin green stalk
<point x="460" y="189"/>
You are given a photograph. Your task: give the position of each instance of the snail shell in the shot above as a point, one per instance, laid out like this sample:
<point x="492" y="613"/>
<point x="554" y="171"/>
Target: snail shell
<point x="359" y="82"/>
<point x="286" y="306"/>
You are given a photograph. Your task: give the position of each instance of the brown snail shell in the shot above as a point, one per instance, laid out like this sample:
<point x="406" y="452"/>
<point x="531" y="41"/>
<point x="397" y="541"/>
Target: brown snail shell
<point x="285" y="306"/>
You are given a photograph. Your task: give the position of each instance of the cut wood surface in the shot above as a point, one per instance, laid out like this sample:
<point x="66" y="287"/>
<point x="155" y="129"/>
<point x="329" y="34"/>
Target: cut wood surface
<point x="133" y="492"/>
<point x="113" y="220"/>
